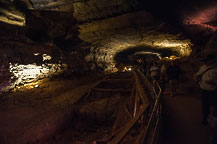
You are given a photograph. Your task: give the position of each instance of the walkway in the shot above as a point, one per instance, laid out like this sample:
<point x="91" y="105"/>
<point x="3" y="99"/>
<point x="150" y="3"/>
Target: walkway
<point x="26" y="117"/>
<point x="183" y="120"/>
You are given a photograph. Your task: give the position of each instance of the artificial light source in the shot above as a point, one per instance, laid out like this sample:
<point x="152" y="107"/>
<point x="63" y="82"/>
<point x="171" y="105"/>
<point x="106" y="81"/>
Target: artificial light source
<point x="36" y="54"/>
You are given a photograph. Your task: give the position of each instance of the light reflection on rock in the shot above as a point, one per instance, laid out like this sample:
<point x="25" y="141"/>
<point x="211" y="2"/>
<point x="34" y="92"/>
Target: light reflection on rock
<point x="28" y="75"/>
<point x="46" y="57"/>
<point x="103" y="54"/>
<point x="204" y="18"/>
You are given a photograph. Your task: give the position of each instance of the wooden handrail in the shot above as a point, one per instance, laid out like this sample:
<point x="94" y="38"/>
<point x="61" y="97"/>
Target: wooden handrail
<point x="156" y="104"/>
<point x="125" y="130"/>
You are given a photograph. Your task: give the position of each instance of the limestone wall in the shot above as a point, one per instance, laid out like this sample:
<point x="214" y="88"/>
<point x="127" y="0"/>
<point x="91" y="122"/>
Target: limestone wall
<point x="22" y="64"/>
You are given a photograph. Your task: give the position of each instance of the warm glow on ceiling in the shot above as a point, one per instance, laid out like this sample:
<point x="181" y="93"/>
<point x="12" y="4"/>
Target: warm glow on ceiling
<point x="171" y="44"/>
<point x="111" y="46"/>
<point x="12" y="18"/>
<point x="4" y="19"/>
<point x="203" y="18"/>
<point x="182" y="47"/>
<point x="144" y="52"/>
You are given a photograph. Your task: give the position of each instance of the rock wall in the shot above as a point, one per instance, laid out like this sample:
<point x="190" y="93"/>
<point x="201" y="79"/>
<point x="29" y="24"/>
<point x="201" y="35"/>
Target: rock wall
<point x="139" y="29"/>
<point x="83" y="35"/>
<point x="23" y="63"/>
<point x="96" y="9"/>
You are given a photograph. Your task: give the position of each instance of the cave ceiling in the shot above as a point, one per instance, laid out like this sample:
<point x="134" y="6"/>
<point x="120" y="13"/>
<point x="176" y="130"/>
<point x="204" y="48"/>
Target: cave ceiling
<point x="109" y="27"/>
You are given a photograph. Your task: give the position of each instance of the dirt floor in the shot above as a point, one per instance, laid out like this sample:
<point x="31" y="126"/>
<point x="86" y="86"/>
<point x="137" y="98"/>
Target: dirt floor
<point x="31" y="115"/>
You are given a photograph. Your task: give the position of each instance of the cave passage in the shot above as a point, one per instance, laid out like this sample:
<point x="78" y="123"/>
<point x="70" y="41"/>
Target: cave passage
<point x="130" y="55"/>
<point x="70" y="72"/>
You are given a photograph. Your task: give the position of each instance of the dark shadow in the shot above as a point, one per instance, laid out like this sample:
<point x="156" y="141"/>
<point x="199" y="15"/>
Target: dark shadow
<point x="128" y="56"/>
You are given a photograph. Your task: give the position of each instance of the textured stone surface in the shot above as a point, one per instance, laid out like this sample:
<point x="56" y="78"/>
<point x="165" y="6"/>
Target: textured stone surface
<point x="20" y="65"/>
<point x="87" y="35"/>
<point x="95" y="9"/>
<point x="23" y="61"/>
<point x="111" y="36"/>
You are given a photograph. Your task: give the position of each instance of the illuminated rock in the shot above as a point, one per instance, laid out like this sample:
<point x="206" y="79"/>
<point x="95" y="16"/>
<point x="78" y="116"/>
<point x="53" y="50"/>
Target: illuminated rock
<point x="31" y="72"/>
<point x="110" y="37"/>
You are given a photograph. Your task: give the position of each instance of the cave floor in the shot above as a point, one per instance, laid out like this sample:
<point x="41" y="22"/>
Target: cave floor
<point x="182" y="122"/>
<point x="38" y="113"/>
<point x="34" y="115"/>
